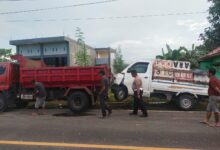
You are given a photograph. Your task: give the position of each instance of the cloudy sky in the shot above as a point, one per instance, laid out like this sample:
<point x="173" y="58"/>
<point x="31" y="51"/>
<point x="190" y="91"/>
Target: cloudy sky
<point x="140" y="27"/>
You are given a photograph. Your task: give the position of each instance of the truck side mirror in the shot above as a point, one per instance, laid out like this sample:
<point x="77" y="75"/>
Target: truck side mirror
<point x="129" y="70"/>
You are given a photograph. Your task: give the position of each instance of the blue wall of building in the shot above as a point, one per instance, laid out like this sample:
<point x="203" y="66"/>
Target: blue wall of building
<point x="55" y="49"/>
<point x="29" y="50"/>
<point x="54" y="54"/>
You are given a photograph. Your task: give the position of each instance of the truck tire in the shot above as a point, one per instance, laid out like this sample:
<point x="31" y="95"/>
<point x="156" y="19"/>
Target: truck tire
<point x="78" y="101"/>
<point x="121" y="93"/>
<point x="186" y="102"/>
<point x="3" y="103"/>
<point x="114" y="87"/>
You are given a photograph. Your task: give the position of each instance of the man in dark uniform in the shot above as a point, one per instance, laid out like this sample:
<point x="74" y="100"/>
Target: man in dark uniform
<point x="138" y="92"/>
<point x="103" y="94"/>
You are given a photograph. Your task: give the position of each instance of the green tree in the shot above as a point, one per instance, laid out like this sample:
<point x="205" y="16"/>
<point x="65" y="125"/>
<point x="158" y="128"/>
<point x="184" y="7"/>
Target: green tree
<point x="183" y="54"/>
<point x="171" y="54"/>
<point x="5" y="55"/>
<point x="211" y="35"/>
<point x="119" y="63"/>
<point x="82" y="57"/>
<point x="192" y="55"/>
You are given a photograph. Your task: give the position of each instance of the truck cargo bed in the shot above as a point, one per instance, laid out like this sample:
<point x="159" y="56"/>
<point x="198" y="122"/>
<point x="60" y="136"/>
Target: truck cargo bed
<point x="62" y="76"/>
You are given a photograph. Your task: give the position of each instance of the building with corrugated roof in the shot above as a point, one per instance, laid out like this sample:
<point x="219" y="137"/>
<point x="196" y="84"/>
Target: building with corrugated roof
<point x="211" y="60"/>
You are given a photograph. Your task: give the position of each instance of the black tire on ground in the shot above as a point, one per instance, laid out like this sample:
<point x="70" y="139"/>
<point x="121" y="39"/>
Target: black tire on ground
<point x="21" y="104"/>
<point x="78" y="102"/>
<point x="187" y="102"/>
<point x="121" y="93"/>
<point x="3" y="103"/>
<point x="114" y="87"/>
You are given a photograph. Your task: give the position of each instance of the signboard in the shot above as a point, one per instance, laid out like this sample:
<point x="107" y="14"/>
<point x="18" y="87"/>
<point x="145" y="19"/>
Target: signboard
<point x="163" y="64"/>
<point x="168" y="64"/>
<point x="183" y="76"/>
<point x="181" y="65"/>
<point x="172" y="70"/>
<point x="163" y="74"/>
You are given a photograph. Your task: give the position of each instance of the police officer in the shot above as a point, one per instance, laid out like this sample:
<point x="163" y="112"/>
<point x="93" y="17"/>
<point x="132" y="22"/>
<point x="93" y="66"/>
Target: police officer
<point x="138" y="92"/>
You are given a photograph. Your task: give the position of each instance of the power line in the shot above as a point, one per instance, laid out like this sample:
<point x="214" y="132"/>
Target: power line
<point x="12" y="0"/>
<point x="58" y="7"/>
<point x="111" y="18"/>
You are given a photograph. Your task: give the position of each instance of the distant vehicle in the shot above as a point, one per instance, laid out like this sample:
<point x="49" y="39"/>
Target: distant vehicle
<point x="164" y="78"/>
<point x="76" y="84"/>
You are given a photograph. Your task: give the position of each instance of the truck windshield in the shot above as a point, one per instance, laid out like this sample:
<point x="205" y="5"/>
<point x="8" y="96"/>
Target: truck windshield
<point x="140" y="67"/>
<point x="2" y="70"/>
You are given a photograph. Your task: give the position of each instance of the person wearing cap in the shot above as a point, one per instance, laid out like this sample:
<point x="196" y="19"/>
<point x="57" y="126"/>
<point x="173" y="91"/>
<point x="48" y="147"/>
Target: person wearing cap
<point x="214" y="97"/>
<point x="103" y="95"/>
<point x="138" y="92"/>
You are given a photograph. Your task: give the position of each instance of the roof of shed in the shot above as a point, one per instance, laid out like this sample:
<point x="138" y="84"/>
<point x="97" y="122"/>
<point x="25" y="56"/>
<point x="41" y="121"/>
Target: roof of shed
<point x="213" y="53"/>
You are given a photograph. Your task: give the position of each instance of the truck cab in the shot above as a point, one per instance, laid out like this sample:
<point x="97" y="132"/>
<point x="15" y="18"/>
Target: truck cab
<point x="9" y="79"/>
<point x="124" y="79"/>
<point x="9" y="75"/>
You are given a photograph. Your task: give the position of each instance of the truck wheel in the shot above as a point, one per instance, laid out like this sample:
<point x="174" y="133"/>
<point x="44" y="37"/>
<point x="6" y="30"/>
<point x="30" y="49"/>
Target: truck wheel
<point x="78" y="101"/>
<point x="3" y="104"/>
<point x="186" y="102"/>
<point x="114" y="87"/>
<point x="121" y="93"/>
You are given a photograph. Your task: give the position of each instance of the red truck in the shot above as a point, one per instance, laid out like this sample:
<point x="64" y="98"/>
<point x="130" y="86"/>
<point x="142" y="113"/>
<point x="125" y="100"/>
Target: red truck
<point x="78" y="85"/>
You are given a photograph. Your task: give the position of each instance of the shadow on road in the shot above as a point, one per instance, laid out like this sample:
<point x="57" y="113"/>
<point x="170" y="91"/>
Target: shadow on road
<point x="71" y="114"/>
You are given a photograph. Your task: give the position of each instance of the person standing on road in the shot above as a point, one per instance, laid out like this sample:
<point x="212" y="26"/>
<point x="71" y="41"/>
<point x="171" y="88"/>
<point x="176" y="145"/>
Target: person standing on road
<point x="40" y="94"/>
<point x="103" y="94"/>
<point x="138" y="93"/>
<point x="214" y="97"/>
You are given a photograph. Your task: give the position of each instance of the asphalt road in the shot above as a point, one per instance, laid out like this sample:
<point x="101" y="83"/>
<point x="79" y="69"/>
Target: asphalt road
<point x="19" y="130"/>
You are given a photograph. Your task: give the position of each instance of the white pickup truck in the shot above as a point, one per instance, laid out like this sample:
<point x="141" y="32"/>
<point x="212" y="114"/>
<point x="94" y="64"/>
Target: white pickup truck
<point x="172" y="80"/>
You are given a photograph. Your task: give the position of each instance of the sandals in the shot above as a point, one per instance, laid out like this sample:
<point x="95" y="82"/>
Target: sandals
<point x="217" y="125"/>
<point x="204" y="122"/>
<point x="214" y="125"/>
